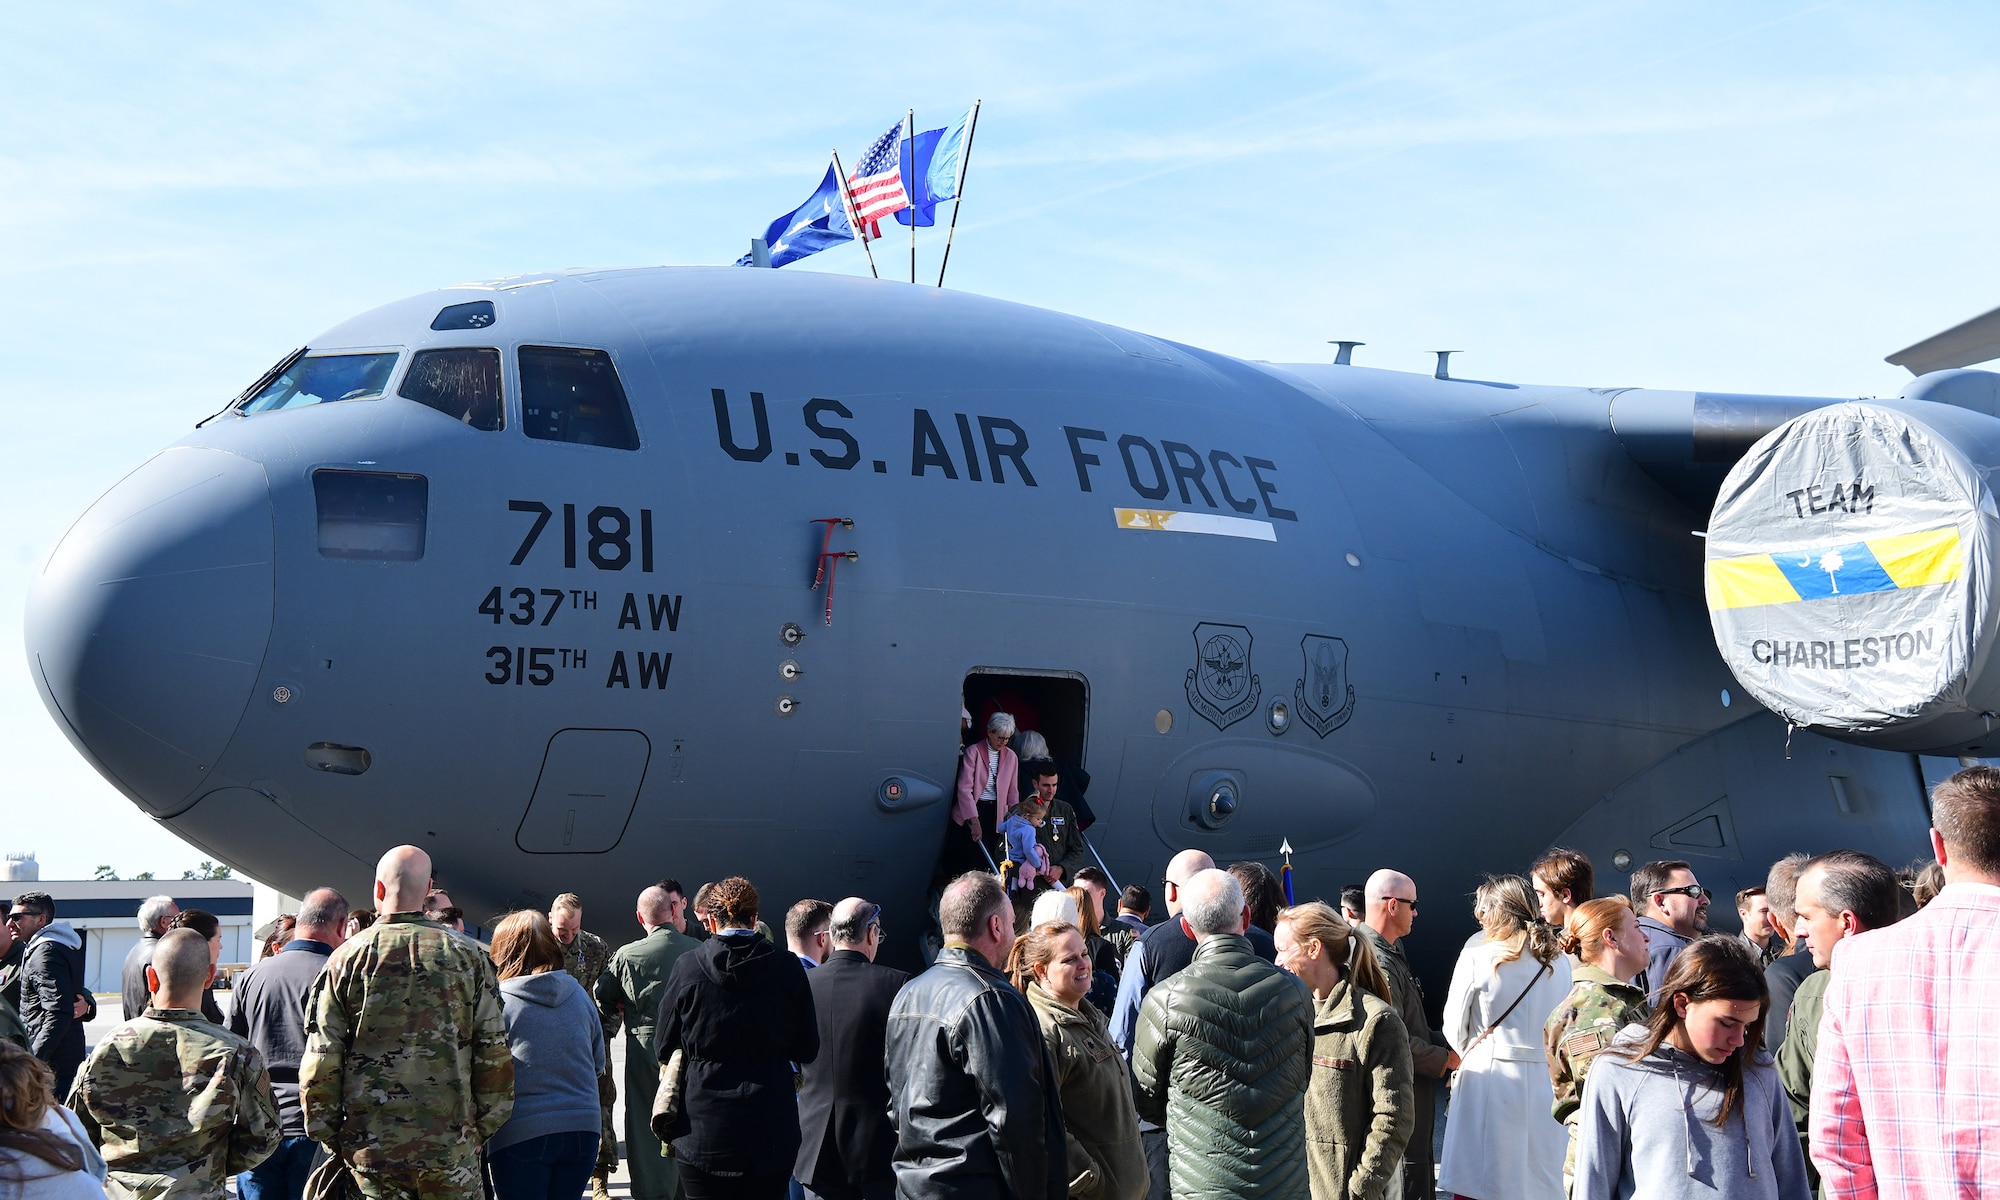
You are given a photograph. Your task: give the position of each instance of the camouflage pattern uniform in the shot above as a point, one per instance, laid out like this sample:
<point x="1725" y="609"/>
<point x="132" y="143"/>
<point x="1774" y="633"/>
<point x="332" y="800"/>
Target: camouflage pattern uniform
<point x="1597" y="1007"/>
<point x="178" y="1105"/>
<point x="585" y="958"/>
<point x="407" y="1070"/>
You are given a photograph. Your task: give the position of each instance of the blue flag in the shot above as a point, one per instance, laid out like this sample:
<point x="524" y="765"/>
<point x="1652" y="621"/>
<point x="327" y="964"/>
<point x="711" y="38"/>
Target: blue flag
<point x="930" y="171"/>
<point x="811" y="227"/>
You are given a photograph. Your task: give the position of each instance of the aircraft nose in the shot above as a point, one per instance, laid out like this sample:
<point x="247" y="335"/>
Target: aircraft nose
<point x="146" y="629"/>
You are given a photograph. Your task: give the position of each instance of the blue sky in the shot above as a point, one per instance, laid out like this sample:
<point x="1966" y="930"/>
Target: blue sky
<point x="1733" y="196"/>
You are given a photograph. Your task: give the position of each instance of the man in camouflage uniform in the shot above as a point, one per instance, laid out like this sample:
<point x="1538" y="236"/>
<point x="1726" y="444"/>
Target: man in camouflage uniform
<point x="585" y="956"/>
<point x="177" y="1104"/>
<point x="1599" y="1004"/>
<point x="629" y="994"/>
<point x="406" y="1070"/>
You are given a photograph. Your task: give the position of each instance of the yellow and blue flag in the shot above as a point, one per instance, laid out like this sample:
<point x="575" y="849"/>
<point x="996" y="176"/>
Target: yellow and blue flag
<point x="1884" y="564"/>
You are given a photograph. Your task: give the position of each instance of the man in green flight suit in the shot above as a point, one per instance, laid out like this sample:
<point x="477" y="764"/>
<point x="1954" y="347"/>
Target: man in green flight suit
<point x="407" y="1070"/>
<point x="628" y="993"/>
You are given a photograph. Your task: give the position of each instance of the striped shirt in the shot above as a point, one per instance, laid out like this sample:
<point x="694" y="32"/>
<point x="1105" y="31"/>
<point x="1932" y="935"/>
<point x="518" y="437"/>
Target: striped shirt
<point x="1906" y="1085"/>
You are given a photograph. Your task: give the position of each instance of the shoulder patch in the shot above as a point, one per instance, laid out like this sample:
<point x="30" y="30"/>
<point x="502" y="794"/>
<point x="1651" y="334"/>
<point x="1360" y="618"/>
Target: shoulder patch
<point x="1586" y="1042"/>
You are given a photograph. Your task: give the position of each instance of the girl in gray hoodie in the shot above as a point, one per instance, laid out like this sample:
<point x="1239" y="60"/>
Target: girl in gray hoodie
<point x="1688" y="1106"/>
<point x="548" y="1147"/>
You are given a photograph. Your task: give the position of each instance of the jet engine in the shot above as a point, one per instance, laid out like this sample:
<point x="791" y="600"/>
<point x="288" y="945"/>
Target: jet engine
<point x="1849" y="573"/>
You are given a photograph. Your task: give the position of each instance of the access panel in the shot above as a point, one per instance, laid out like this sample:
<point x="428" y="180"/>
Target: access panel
<point x="583" y="800"/>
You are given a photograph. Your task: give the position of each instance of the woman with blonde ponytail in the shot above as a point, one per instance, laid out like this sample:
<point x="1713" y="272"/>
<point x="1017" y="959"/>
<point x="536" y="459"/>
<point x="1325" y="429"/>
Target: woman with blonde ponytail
<point x="1361" y="1099"/>
<point x="1605" y="939"/>
<point x="1501" y="992"/>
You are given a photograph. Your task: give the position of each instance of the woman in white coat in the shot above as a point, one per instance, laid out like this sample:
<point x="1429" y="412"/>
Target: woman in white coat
<point x="1498" y="1142"/>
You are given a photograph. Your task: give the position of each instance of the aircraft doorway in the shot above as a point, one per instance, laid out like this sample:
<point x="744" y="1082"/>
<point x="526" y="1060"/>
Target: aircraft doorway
<point x="1055" y="704"/>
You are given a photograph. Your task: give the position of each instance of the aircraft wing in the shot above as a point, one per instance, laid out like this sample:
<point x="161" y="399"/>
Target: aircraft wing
<point x="1968" y="342"/>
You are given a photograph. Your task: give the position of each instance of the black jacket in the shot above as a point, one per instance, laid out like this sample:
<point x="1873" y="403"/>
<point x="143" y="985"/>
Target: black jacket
<point x="845" y="1139"/>
<point x="1783" y="977"/>
<point x="137" y="996"/>
<point x="51" y="980"/>
<point x="741" y="1012"/>
<point x="974" y="1097"/>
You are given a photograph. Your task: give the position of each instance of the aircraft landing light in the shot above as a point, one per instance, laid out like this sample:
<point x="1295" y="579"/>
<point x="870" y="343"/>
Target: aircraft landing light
<point x="1171" y="521"/>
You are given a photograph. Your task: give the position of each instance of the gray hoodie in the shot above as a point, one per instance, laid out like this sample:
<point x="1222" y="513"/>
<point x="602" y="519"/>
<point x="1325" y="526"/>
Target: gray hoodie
<point x="51" y="980"/>
<point x="558" y="1048"/>
<point x="1646" y="1129"/>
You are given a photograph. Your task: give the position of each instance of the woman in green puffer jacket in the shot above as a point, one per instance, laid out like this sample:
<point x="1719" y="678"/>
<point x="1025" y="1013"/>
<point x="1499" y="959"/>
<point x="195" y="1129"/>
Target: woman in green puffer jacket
<point x="1051" y="964"/>
<point x="1360" y="1104"/>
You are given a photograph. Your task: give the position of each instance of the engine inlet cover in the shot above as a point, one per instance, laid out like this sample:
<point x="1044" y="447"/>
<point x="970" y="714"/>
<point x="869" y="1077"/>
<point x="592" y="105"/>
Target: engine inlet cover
<point x="1850" y="567"/>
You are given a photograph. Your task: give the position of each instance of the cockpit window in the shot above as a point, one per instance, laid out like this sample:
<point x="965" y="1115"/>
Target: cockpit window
<point x="463" y="384"/>
<point x="321" y="378"/>
<point x="476" y="315"/>
<point x="574" y="396"/>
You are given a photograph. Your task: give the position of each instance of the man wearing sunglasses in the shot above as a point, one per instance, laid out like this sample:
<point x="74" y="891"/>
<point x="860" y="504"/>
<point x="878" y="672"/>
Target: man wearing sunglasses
<point x="51" y="981"/>
<point x="1390" y="900"/>
<point x="12" y="950"/>
<point x="1673" y="911"/>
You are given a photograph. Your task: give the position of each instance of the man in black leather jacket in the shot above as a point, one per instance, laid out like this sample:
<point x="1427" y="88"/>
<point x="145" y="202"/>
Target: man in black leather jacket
<point x="971" y="1088"/>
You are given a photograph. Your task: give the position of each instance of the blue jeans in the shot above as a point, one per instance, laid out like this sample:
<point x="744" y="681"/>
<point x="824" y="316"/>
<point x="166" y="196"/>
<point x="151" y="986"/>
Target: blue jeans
<point x="283" y="1175"/>
<point x="555" y="1166"/>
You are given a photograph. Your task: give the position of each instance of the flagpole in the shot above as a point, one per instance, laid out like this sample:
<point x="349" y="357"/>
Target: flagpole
<point x="958" y="188"/>
<point x="847" y="199"/>
<point x="910" y="140"/>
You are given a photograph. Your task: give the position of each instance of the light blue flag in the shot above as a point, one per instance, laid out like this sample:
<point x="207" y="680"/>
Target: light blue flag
<point x="942" y="178"/>
<point x="930" y="169"/>
<point x="811" y="227"/>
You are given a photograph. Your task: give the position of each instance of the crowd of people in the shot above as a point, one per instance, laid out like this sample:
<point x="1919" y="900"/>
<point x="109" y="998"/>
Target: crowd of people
<point x="1075" y="1046"/>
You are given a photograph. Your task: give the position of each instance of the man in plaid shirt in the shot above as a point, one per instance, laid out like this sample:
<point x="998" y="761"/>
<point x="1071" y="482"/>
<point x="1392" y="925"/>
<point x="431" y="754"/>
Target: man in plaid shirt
<point x="1906" y="1085"/>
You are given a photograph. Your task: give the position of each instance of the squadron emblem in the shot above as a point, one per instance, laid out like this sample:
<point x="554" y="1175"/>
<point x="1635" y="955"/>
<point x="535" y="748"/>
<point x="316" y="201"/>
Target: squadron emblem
<point x="1221" y="687"/>
<point x="1326" y="698"/>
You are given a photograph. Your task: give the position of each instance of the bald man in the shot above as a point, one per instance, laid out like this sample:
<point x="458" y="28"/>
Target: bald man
<point x="628" y="994"/>
<point x="1391" y="899"/>
<point x="174" y="1100"/>
<point x="406" y="1071"/>
<point x="268" y="1008"/>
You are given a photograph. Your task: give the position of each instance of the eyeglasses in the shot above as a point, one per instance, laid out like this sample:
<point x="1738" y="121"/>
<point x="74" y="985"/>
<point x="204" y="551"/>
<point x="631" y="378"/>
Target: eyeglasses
<point x="15" y="916"/>
<point x="1692" y="891"/>
<point x="1401" y="900"/>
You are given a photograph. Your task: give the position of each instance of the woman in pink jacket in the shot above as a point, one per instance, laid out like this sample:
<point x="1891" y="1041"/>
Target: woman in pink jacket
<point x="989" y="783"/>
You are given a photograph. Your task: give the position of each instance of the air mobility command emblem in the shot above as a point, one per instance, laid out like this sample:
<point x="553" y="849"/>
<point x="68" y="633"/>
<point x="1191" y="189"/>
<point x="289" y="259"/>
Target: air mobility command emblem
<point x="1326" y="698"/>
<point x="1221" y="686"/>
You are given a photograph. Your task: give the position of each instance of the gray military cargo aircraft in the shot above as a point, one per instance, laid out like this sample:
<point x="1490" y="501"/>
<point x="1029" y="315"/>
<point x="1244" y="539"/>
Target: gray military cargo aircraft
<point x="579" y="579"/>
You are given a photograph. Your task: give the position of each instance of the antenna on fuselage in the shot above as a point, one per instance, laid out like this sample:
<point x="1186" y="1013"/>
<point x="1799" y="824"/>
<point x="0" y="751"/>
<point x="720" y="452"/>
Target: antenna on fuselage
<point x="1346" y="356"/>
<point x="1444" y="364"/>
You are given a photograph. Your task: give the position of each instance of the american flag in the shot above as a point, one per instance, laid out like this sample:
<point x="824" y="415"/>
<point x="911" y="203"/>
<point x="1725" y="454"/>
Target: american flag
<point x="877" y="182"/>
